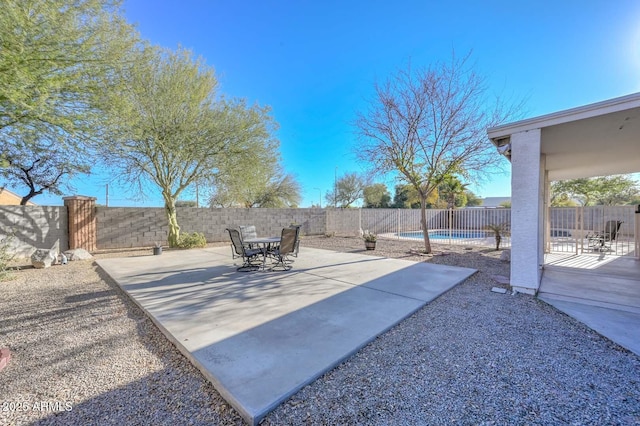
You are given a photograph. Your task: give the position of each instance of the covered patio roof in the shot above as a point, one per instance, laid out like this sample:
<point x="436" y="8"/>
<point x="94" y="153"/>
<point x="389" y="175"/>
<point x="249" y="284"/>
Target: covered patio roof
<point x="592" y="140"/>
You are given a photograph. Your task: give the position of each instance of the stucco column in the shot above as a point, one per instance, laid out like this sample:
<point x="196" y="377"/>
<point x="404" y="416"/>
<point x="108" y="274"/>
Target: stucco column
<point x="527" y="210"/>
<point x="82" y="222"/>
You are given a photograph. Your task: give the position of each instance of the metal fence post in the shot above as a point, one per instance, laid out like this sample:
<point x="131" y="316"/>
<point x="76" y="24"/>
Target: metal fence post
<point x="450" y="225"/>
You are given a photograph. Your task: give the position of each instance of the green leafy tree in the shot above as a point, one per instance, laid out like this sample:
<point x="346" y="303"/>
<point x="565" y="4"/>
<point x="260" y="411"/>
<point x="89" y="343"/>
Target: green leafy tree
<point x="584" y="190"/>
<point x="406" y="197"/>
<point x="281" y="190"/>
<point x="376" y="196"/>
<point x="186" y="203"/>
<point x="452" y="191"/>
<point x="562" y="200"/>
<point x="616" y="190"/>
<point x="169" y="131"/>
<point x="349" y="190"/>
<point x="267" y="187"/>
<point x="428" y="124"/>
<point x="603" y="190"/>
<point x="472" y="199"/>
<point x="57" y="58"/>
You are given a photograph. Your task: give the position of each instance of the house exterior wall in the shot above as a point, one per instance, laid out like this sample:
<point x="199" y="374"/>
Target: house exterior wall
<point x="34" y="227"/>
<point x="8" y="198"/>
<point x="527" y="210"/>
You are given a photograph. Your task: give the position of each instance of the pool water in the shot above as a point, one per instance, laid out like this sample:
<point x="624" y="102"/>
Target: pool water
<point x="445" y="235"/>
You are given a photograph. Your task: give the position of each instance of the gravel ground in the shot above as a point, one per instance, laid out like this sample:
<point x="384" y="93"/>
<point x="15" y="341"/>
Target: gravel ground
<point x="84" y="354"/>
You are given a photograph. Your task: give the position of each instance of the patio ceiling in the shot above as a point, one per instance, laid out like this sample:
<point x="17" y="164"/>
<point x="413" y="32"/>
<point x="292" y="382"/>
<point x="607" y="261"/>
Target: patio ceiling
<point x="592" y="140"/>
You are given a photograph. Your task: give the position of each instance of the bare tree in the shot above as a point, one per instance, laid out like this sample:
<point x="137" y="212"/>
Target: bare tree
<point x="349" y="190"/>
<point x="428" y="124"/>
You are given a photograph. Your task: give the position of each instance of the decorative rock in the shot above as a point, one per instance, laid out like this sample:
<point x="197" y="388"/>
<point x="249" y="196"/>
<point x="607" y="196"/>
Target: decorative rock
<point x="43" y="258"/>
<point x="78" y="254"/>
<point x="5" y="356"/>
<point x="505" y="256"/>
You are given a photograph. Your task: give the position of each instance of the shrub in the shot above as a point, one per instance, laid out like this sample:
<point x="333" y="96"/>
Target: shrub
<point x="369" y="237"/>
<point x="194" y="240"/>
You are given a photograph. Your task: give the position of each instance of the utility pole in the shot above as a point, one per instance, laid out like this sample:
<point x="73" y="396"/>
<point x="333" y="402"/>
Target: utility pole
<point x="107" y="197"/>
<point x="335" y="188"/>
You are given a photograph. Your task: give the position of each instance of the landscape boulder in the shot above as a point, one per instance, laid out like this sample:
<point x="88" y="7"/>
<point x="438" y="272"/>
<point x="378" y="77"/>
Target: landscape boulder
<point x="43" y="258"/>
<point x="78" y="254"/>
<point x="505" y="256"/>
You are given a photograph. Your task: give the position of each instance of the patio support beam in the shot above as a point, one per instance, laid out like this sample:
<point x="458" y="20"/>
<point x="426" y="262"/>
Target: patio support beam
<point x="527" y="210"/>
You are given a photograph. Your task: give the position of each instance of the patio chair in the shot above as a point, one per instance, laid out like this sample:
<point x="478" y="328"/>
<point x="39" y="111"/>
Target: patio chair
<point x="286" y="248"/>
<point x="253" y="258"/>
<point x="297" y="245"/>
<point x="248" y="231"/>
<point x="602" y="240"/>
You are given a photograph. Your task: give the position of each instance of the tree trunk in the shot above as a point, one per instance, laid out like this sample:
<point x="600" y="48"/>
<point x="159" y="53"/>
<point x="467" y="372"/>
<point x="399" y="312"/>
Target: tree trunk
<point x="423" y="223"/>
<point x="498" y="239"/>
<point x="32" y="193"/>
<point x="174" y="228"/>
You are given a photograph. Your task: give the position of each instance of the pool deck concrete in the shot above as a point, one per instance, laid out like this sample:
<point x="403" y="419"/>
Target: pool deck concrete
<point x="261" y="336"/>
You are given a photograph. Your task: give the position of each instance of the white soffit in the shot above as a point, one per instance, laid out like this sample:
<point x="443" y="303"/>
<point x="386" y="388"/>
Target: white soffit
<point x="592" y="140"/>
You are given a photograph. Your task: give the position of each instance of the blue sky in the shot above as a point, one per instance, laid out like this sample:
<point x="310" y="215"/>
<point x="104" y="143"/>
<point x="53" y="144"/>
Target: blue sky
<point x="315" y="63"/>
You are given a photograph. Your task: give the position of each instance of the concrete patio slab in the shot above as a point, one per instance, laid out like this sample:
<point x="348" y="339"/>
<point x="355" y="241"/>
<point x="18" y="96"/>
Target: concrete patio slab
<point x="622" y="327"/>
<point x="261" y="336"/>
<point x="602" y="292"/>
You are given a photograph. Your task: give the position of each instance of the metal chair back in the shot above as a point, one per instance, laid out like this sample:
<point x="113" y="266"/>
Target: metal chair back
<point x="296" y="247"/>
<point x="248" y="232"/>
<point x="611" y="229"/>
<point x="287" y="241"/>
<point x="236" y="241"/>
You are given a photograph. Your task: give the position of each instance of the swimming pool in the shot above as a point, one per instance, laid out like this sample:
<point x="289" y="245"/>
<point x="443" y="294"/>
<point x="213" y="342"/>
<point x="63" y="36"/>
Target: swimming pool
<point x="446" y="234"/>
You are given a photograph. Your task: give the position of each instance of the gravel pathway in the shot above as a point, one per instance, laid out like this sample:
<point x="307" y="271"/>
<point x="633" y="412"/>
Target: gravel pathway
<point x="82" y="353"/>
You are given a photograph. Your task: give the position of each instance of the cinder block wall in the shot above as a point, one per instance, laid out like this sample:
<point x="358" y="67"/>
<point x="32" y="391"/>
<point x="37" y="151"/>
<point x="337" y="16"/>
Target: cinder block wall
<point x="34" y="227"/>
<point x="213" y="222"/>
<point x="343" y="221"/>
<point x="123" y="227"/>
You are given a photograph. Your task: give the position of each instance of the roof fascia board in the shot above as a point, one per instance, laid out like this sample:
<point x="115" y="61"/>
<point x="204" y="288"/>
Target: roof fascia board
<point x="561" y="117"/>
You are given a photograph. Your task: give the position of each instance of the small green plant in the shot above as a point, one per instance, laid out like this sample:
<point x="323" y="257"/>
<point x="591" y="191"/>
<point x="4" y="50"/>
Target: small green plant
<point x="499" y="230"/>
<point x="369" y="236"/>
<point x="193" y="240"/>
<point x="6" y="256"/>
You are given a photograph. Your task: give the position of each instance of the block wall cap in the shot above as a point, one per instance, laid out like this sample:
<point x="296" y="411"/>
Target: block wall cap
<point x="79" y="197"/>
